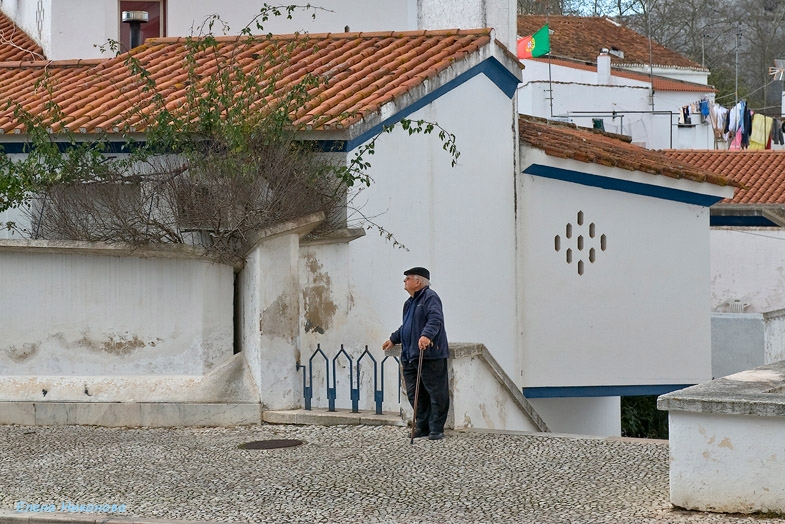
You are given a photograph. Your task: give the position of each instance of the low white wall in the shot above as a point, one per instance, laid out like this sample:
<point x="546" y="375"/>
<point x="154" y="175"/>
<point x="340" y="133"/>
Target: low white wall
<point x="93" y="322"/>
<point x="774" y="336"/>
<point x="737" y="342"/>
<point x="727" y="463"/>
<point x="741" y="341"/>
<point x="484" y="397"/>
<point x="726" y="442"/>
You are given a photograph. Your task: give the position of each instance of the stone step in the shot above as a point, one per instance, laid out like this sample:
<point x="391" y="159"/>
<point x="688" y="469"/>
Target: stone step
<point x="323" y="417"/>
<point x="178" y="414"/>
<point x="129" y="414"/>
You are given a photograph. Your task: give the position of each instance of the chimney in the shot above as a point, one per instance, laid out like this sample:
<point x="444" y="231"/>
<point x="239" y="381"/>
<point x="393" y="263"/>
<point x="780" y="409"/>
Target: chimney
<point x="135" y="19"/>
<point x="604" y="67"/>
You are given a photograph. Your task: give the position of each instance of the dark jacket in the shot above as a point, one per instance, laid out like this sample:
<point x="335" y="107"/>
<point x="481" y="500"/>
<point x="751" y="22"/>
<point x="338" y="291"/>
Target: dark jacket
<point x="426" y="319"/>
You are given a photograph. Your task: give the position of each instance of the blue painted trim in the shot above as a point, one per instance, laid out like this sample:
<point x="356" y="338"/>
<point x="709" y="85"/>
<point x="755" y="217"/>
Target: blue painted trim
<point x="601" y="391"/>
<point x="109" y="147"/>
<point x="625" y="186"/>
<point x="492" y="68"/>
<point x="330" y="146"/>
<point x="741" y="221"/>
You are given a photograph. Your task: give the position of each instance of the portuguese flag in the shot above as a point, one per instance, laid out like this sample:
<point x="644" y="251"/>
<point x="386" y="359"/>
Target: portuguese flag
<point x="535" y="45"/>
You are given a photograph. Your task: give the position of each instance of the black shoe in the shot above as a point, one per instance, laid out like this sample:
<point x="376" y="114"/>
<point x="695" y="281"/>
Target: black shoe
<point x="436" y="436"/>
<point x="419" y="433"/>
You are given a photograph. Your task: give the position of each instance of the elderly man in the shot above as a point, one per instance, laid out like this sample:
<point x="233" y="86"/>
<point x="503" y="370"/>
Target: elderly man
<point x="423" y="330"/>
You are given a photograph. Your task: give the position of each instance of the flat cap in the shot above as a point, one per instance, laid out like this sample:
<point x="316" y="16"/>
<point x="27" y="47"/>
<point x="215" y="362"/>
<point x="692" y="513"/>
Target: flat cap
<point x="421" y="271"/>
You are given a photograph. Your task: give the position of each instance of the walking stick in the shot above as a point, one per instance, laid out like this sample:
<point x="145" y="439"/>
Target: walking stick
<point x="416" y="395"/>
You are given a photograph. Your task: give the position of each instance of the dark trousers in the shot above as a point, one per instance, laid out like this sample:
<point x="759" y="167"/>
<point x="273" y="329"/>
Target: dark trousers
<point x="433" y="399"/>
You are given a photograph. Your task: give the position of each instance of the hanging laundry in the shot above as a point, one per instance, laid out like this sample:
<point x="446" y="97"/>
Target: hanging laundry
<point x="735" y="143"/>
<point x="746" y="127"/>
<point x="735" y="117"/>
<point x="704" y="107"/>
<point x="760" y="131"/>
<point x="718" y="116"/>
<point x="685" y="115"/>
<point x="776" y="132"/>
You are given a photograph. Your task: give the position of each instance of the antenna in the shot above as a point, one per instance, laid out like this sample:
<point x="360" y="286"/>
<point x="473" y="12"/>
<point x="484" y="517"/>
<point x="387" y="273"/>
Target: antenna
<point x="778" y="71"/>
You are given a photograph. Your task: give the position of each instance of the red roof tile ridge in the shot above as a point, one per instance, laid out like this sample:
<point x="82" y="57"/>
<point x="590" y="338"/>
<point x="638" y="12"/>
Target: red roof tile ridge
<point x="608" y="149"/>
<point x="32" y="64"/>
<point x="305" y="35"/>
<point x="624" y="65"/>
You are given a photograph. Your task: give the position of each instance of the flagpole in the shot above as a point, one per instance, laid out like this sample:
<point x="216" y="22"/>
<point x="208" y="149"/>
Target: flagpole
<point x="550" y="79"/>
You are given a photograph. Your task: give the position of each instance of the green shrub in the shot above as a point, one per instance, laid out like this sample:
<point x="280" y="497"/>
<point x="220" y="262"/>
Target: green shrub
<point x="640" y="418"/>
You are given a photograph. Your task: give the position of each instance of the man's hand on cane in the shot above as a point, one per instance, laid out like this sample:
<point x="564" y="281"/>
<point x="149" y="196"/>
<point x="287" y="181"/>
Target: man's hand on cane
<point x="424" y="343"/>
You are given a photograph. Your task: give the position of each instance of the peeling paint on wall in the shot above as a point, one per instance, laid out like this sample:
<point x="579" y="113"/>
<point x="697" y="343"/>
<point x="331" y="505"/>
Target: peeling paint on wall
<point x="318" y="305"/>
<point x="113" y="344"/>
<point x="20" y="354"/>
<point x="279" y="319"/>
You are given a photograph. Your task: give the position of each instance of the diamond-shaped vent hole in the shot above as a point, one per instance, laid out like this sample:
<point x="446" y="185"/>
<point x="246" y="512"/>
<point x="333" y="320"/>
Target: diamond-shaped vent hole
<point x="580" y="242"/>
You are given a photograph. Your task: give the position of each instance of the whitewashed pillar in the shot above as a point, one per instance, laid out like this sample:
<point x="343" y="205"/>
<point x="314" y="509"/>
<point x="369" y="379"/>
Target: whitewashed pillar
<point x="269" y="310"/>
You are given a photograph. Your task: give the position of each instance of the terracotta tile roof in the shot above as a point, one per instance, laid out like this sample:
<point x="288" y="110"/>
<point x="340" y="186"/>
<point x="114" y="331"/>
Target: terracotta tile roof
<point x="582" y="38"/>
<point x="15" y="44"/>
<point x="562" y="140"/>
<point x="762" y="173"/>
<point x="661" y="83"/>
<point x="363" y="71"/>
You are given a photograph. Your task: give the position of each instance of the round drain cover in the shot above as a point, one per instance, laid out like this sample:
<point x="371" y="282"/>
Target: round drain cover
<point x="271" y="444"/>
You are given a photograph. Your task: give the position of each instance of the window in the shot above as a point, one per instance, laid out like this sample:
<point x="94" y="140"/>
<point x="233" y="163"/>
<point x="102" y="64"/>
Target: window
<point x="156" y="21"/>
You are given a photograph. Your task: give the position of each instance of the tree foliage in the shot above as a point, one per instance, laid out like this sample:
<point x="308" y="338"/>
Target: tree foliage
<point x="641" y="419"/>
<point x="224" y="163"/>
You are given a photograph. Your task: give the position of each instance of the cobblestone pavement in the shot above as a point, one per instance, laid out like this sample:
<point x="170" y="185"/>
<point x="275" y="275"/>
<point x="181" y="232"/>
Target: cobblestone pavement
<point x="341" y="474"/>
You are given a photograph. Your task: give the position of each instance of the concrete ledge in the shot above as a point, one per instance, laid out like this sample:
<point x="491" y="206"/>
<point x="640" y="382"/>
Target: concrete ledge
<point x="759" y="391"/>
<point x="725" y="442"/>
<point x="129" y="414"/>
<point x="465" y="350"/>
<point x="323" y="417"/>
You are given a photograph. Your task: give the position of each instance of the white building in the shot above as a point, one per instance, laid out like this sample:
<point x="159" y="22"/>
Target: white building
<point x="747" y="278"/>
<point x="566" y="253"/>
<point x="599" y="71"/>
<point x="70" y="30"/>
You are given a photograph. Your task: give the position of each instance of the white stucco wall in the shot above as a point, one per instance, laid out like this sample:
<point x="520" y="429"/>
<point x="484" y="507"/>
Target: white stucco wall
<point x="748" y="264"/>
<point x="72" y="29"/>
<point x="92" y="313"/>
<point x="331" y="16"/>
<point x="605" y="327"/>
<point x="727" y="463"/>
<point x="68" y="30"/>
<point x="576" y="90"/>
<point x="458" y="222"/>
<point x="696" y="76"/>
<point x="741" y="341"/>
<point x="581" y="416"/>
<point x="774" y="335"/>
<point x="737" y="342"/>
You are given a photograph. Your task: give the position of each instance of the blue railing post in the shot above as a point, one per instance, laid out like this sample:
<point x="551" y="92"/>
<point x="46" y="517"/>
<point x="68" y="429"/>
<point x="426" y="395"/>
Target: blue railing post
<point x="307" y="391"/>
<point x="354" y="386"/>
<point x="355" y="395"/>
<point x="326" y="370"/>
<point x="378" y="395"/>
